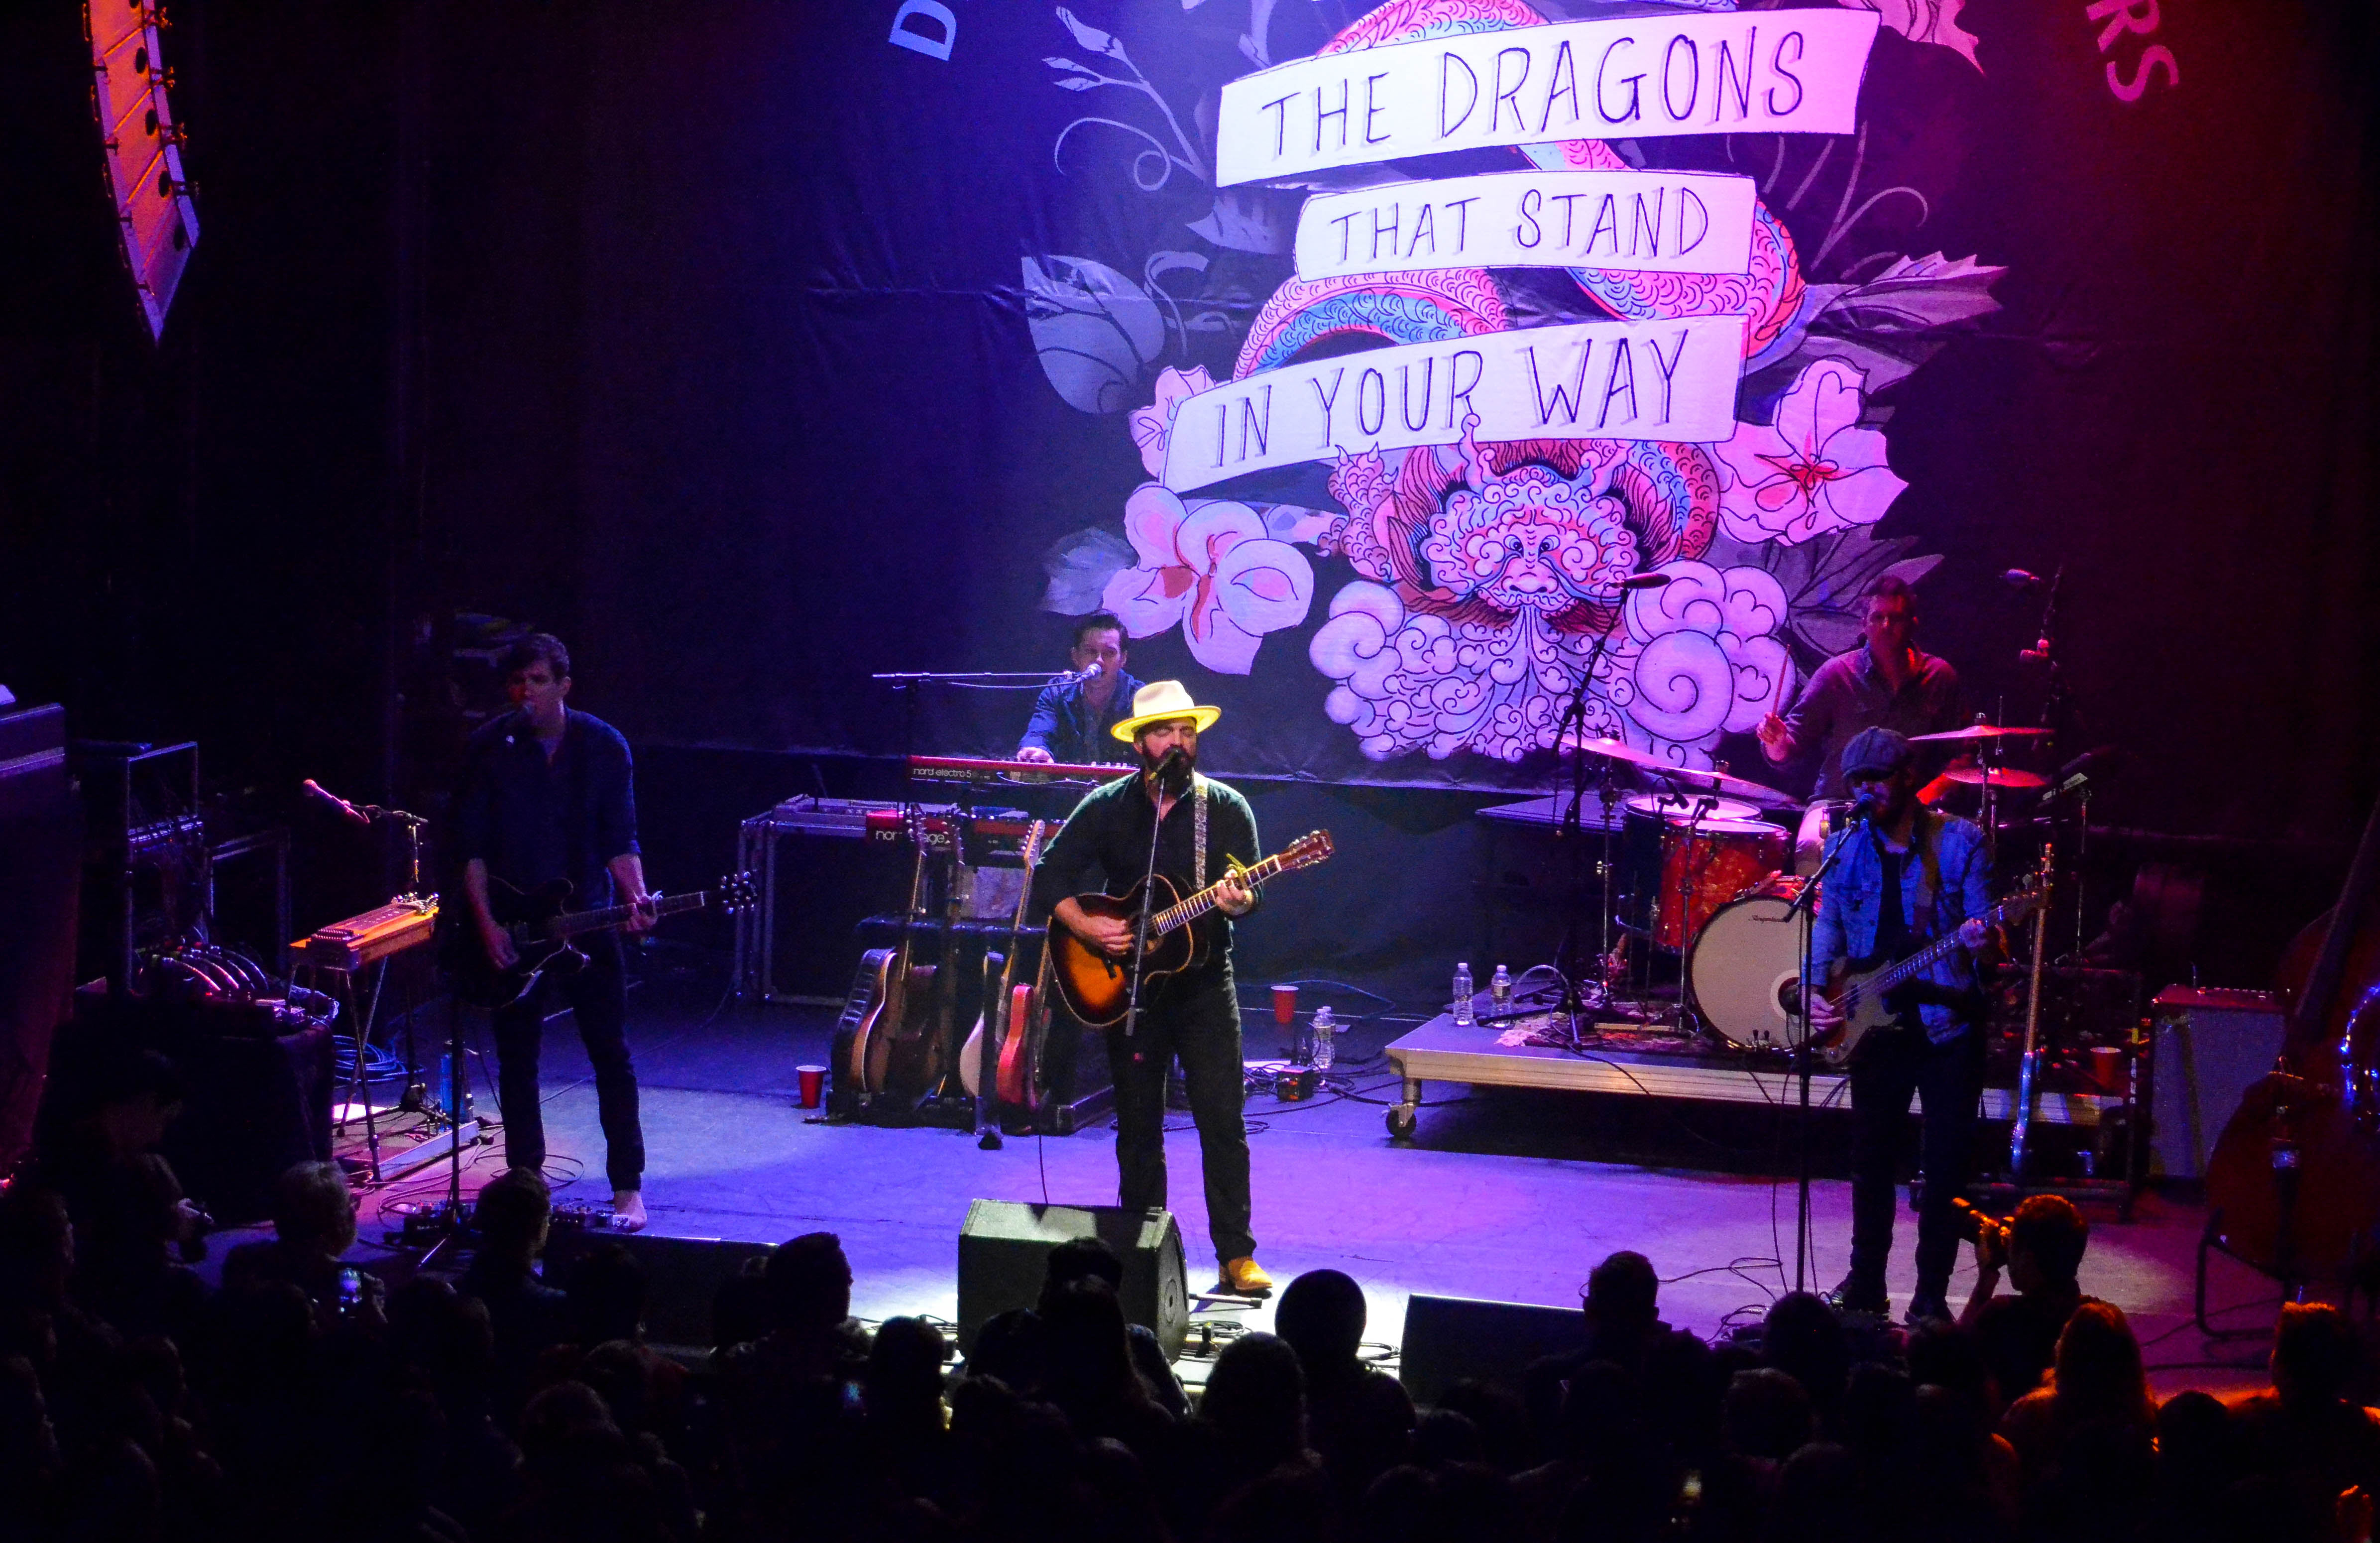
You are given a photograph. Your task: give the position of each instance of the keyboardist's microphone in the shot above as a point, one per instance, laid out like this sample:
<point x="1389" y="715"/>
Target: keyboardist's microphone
<point x="1075" y="677"/>
<point x="346" y="809"/>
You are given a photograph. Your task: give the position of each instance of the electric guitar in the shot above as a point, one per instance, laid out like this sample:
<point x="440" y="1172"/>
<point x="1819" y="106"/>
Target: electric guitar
<point x="1099" y="987"/>
<point x="991" y="1014"/>
<point x="1859" y="986"/>
<point x="540" y="931"/>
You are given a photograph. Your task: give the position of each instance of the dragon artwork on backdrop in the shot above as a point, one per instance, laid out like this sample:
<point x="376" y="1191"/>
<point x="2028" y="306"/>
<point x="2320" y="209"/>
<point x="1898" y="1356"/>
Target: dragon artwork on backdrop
<point x="1474" y="586"/>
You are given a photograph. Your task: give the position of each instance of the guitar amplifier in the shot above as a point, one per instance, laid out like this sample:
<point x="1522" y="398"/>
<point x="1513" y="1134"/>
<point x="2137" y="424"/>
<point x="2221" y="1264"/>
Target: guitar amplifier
<point x="2210" y="1045"/>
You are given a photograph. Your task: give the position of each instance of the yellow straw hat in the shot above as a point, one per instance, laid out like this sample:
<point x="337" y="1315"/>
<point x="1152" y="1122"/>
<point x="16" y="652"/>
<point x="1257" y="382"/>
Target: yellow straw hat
<point x="1160" y="701"/>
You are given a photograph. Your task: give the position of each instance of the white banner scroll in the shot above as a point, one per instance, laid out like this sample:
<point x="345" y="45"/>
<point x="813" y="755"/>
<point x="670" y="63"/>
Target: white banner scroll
<point x="1751" y="72"/>
<point x="1668" y="222"/>
<point x="1592" y="379"/>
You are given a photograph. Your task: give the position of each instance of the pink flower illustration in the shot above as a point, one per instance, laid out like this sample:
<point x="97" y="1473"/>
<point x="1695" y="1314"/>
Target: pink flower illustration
<point x="1814" y="471"/>
<point x="1210" y="566"/>
<point x="1151" y="425"/>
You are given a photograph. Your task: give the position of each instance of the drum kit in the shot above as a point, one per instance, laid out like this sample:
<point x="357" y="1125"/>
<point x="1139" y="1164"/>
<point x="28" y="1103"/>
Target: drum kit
<point x="1707" y="874"/>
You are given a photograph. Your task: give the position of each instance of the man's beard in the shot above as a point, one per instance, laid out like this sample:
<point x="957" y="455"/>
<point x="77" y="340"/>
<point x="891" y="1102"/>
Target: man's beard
<point x="1173" y="775"/>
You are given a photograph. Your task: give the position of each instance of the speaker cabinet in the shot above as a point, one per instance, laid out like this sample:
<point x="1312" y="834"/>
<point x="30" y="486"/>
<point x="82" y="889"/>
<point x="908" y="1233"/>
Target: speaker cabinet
<point x="2209" y="1046"/>
<point x="681" y="1275"/>
<point x="1005" y="1251"/>
<point x="1450" y="1338"/>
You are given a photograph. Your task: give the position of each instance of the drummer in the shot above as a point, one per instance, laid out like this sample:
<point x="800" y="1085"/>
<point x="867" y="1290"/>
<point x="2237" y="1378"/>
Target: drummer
<point x="1885" y="683"/>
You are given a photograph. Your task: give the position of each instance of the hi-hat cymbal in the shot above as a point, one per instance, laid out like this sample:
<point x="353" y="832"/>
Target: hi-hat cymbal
<point x="1999" y="776"/>
<point x="1710" y="781"/>
<point x="1977" y="731"/>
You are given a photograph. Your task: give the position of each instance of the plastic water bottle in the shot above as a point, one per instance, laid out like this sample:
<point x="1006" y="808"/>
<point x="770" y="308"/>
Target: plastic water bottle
<point x="1500" y="988"/>
<point x="1326" y="1027"/>
<point x="1462" y="994"/>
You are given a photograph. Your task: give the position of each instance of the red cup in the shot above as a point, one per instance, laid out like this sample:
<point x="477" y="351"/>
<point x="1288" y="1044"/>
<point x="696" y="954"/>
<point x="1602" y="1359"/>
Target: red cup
<point x="813" y="1085"/>
<point x="1284" y="1005"/>
<point x="2107" y="1068"/>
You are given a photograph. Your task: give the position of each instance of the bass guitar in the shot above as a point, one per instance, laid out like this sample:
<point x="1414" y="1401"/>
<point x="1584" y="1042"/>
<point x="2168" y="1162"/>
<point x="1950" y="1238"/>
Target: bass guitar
<point x="991" y="1013"/>
<point x="1859" y="986"/>
<point x="1099" y="987"/>
<point x="540" y="931"/>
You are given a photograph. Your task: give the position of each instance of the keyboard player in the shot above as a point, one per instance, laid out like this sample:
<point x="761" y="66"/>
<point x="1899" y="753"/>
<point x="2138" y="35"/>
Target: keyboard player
<point x="1071" y="717"/>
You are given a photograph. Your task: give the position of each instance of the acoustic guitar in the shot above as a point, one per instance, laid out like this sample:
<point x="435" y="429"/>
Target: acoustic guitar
<point x="992" y="1014"/>
<point x="540" y="931"/>
<point x="880" y="998"/>
<point x="1099" y="987"/>
<point x="1859" y="986"/>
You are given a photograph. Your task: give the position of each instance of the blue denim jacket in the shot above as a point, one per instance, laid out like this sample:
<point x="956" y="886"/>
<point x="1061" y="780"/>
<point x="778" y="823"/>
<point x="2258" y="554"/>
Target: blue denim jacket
<point x="1849" y="901"/>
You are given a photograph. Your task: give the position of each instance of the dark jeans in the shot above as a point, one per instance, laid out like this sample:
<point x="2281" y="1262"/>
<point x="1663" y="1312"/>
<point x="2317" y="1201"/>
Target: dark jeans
<point x="1889" y="1066"/>
<point x="598" y="1001"/>
<point x="1198" y="1020"/>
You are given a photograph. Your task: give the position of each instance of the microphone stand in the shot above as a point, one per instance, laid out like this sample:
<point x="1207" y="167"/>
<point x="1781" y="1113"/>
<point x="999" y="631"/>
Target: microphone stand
<point x="1804" y="905"/>
<point x="1574" y="720"/>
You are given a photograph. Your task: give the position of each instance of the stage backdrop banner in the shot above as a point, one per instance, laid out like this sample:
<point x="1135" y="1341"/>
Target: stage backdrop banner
<point x="777" y="346"/>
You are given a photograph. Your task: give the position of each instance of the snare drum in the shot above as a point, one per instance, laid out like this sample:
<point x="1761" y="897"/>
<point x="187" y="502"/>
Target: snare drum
<point x="1744" y="964"/>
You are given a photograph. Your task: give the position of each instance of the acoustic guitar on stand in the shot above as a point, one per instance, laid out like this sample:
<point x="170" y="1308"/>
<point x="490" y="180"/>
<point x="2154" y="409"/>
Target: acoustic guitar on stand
<point x="1098" y="986"/>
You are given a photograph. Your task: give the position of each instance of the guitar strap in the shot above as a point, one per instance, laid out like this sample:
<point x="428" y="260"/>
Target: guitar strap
<point x="1198" y="833"/>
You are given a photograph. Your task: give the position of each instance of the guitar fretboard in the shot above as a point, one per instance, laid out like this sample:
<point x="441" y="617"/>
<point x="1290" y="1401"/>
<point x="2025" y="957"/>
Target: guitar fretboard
<point x="1190" y="910"/>
<point x="1941" y="949"/>
<point x="576" y="922"/>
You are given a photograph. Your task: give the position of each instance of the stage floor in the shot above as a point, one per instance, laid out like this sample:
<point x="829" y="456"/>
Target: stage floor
<point x="1507" y="1194"/>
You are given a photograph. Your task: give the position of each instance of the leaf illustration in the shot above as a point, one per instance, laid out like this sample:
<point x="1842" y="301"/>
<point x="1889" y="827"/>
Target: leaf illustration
<point x="1079" y="568"/>
<point x="1250" y="220"/>
<point x="1916" y="294"/>
<point x="1089" y="36"/>
<point x="1094" y="329"/>
<point x="1934" y="21"/>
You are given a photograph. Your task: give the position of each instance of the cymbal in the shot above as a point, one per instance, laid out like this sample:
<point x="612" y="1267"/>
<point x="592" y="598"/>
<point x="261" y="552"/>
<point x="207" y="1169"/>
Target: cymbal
<point x="1709" y="782"/>
<point x="1977" y="731"/>
<point x="1999" y="776"/>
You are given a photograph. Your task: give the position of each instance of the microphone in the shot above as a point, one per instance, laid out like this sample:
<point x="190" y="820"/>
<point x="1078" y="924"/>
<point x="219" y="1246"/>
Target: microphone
<point x="345" y="810"/>
<point x="2017" y="578"/>
<point x="1172" y="771"/>
<point x="1646" y="580"/>
<point x="1071" y="677"/>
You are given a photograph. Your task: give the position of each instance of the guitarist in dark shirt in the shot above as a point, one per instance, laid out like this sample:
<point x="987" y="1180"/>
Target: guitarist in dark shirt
<point x="550" y="794"/>
<point x="1194" y="1014"/>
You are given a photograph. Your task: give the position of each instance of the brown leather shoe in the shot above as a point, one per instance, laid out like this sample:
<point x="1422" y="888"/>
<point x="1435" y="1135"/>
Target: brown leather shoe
<point x="1244" y="1278"/>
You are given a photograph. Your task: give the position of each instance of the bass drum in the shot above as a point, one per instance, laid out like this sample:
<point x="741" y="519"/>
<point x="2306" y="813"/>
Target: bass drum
<point x="1743" y="970"/>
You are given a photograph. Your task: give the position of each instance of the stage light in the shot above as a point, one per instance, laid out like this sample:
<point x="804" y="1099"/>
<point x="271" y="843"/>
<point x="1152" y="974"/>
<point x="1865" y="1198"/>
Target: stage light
<point x="153" y="207"/>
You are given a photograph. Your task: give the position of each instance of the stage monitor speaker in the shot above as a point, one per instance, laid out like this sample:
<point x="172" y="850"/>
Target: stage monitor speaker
<point x="1450" y="1338"/>
<point x="2210" y="1045"/>
<point x="681" y="1275"/>
<point x="1004" y="1250"/>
